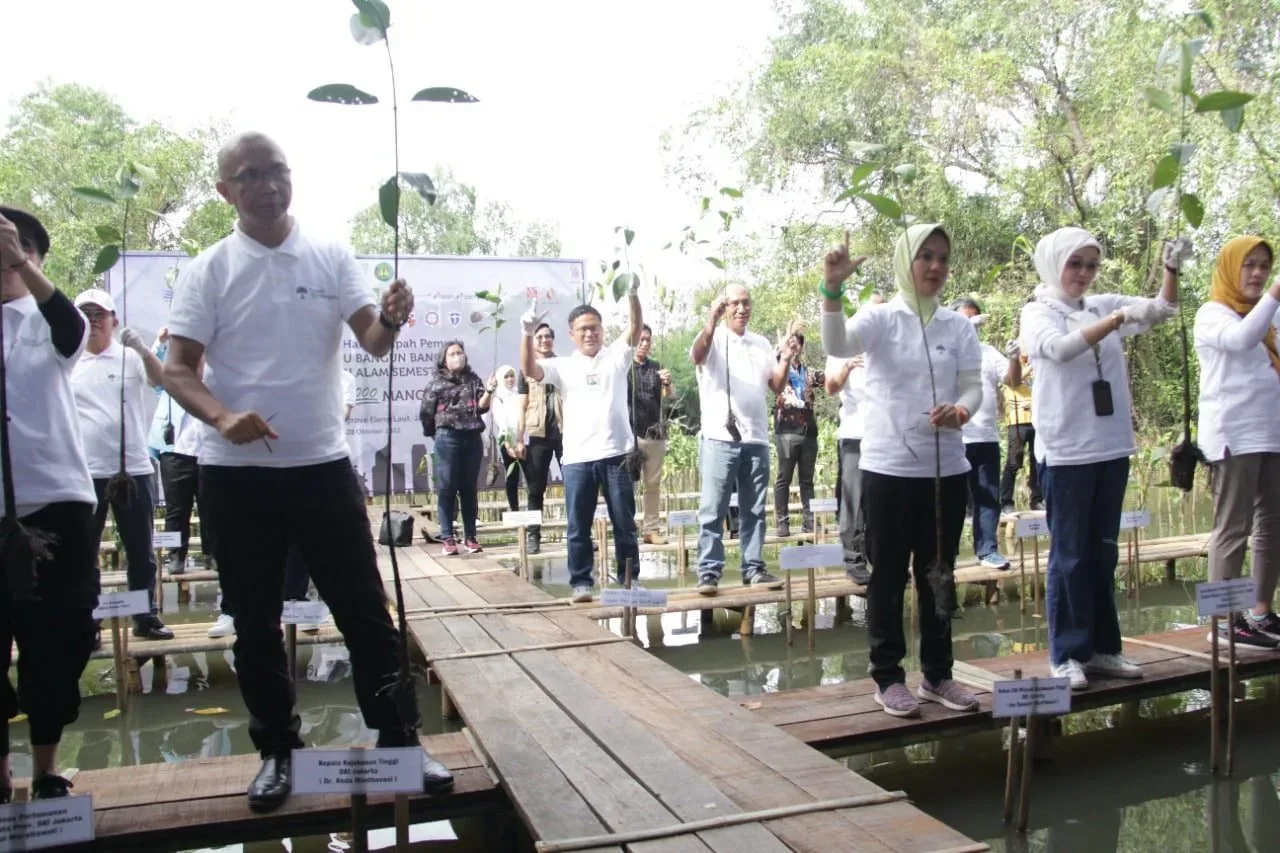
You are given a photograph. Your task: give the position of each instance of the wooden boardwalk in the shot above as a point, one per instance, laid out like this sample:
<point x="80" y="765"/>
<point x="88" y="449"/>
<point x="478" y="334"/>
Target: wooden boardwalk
<point x="840" y="716"/>
<point x="590" y="736"/>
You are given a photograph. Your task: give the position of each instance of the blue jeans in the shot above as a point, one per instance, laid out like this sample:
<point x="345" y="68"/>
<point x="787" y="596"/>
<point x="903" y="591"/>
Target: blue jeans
<point x="984" y="492"/>
<point x="458" y="457"/>
<point x="583" y="481"/>
<point x="727" y="467"/>
<point x="1083" y="503"/>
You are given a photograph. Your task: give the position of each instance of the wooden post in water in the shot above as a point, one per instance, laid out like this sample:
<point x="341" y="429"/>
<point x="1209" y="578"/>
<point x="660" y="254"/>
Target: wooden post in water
<point x="1022" y="575"/>
<point x="786" y="613"/>
<point x="1028" y="749"/>
<point x="291" y="650"/>
<point x="117" y="654"/>
<point x="747" y="627"/>
<point x="1011" y="769"/>
<point x="628" y="613"/>
<point x="1036" y="612"/>
<point x="812" y="606"/>
<point x="522" y="547"/>
<point x="682" y="560"/>
<point x="1231" y="692"/>
<point x="402" y="822"/>
<point x="604" y="553"/>
<point x="1213" y="696"/>
<point x="359" y="822"/>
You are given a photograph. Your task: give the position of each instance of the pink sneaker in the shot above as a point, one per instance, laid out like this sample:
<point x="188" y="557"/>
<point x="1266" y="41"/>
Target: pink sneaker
<point x="450" y="548"/>
<point x="471" y="546"/>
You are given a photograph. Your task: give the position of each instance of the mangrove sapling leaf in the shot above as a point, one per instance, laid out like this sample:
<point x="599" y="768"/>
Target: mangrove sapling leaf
<point x="716" y="262"/>
<point x="1203" y="17"/>
<point x="1187" y="56"/>
<point x="389" y="201"/>
<point x="94" y="194"/>
<point x="1183" y="151"/>
<point x="341" y="93"/>
<point x="421" y="183"/>
<point x="883" y="205"/>
<point x="1166" y="172"/>
<point x="1192" y="209"/>
<point x="861" y="172"/>
<point x="864" y="147"/>
<point x="731" y="192"/>
<point x="622" y="285"/>
<point x="107" y="233"/>
<point x="1233" y="118"/>
<point x="445" y="95"/>
<point x="107" y="257"/>
<point x="907" y="172"/>
<point x="1225" y="100"/>
<point x="628" y="235"/>
<point x="706" y="205"/>
<point x="727" y="218"/>
<point x="1160" y="99"/>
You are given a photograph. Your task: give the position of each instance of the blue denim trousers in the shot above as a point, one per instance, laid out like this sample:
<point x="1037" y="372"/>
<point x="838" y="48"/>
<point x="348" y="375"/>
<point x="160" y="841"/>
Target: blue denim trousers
<point x="984" y="494"/>
<point x="1083" y="504"/>
<point x="458" y="457"/>
<point x="583" y="481"/>
<point x="727" y="467"/>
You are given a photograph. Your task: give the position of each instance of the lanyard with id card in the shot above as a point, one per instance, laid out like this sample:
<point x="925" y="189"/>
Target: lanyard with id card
<point x="1103" y="404"/>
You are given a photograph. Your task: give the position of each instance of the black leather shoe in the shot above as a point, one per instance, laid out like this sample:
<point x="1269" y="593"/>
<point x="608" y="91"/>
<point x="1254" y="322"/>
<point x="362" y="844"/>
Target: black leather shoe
<point x="436" y="778"/>
<point x="6" y="791"/>
<point x="49" y="787"/>
<point x="177" y="564"/>
<point x="271" y="787"/>
<point x="151" y="628"/>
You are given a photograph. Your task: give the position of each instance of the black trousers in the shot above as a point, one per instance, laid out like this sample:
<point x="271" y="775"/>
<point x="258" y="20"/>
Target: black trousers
<point x="1022" y="442"/>
<point x="795" y="451"/>
<point x="259" y="512"/>
<point x="180" y="477"/>
<point x="54" y="634"/>
<point x="135" y="523"/>
<point x="901" y="533"/>
<point x="511" y="467"/>
<point x="537" y="467"/>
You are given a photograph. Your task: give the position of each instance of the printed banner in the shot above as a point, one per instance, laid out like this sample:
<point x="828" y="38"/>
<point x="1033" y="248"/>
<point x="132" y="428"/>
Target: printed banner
<point x="446" y="309"/>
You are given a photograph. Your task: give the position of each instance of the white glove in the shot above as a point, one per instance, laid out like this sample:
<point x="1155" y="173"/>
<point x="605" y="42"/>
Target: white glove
<point x="635" y="285"/>
<point x="530" y="320"/>
<point x="1177" y="252"/>
<point x="978" y="320"/>
<point x="131" y="339"/>
<point x="1013" y="349"/>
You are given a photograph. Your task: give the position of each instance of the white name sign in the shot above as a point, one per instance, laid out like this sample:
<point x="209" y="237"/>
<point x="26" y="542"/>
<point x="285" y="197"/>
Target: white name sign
<point x="357" y="771"/>
<point x="822" y="505"/>
<point x="166" y="539"/>
<point x="1220" y="598"/>
<point x="131" y="603"/>
<point x="682" y="518"/>
<point x="37" y="824"/>
<point x="304" y="612"/>
<point x="733" y="501"/>
<point x="522" y="518"/>
<point x="1134" y="519"/>
<point x="634" y="597"/>
<point x="1033" y="525"/>
<point x="1026" y="696"/>
<point x="810" y="557"/>
<point x="602" y="512"/>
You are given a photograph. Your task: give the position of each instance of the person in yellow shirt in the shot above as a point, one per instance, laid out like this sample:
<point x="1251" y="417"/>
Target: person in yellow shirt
<point x="1021" y="434"/>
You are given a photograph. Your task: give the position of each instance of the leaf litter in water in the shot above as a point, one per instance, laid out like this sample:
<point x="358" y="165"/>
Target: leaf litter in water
<point x="207" y="712"/>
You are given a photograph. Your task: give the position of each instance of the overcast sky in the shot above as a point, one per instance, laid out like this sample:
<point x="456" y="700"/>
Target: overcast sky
<point x="575" y="94"/>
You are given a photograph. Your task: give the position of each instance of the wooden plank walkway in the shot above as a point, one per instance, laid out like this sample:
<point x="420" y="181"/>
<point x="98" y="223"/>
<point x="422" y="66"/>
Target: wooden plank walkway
<point x="846" y="716"/>
<point x="604" y="738"/>
<point x="201" y="802"/>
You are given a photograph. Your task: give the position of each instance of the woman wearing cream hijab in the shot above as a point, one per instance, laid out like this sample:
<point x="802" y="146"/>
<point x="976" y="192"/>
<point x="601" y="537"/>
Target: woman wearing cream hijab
<point x="1084" y="437"/>
<point x="906" y="340"/>
<point x="506" y="415"/>
<point x="1235" y="336"/>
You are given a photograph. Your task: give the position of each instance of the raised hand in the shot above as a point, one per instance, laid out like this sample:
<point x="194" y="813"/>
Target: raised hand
<point x="11" y="252"/>
<point x="397" y="302"/>
<point x="131" y="339"/>
<point x="244" y="427"/>
<point x="531" y="319"/>
<point x="1177" y="252"/>
<point x="718" y="306"/>
<point x="837" y="266"/>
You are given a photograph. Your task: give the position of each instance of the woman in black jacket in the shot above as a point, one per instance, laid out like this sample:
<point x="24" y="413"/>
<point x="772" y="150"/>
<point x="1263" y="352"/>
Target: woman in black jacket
<point x="452" y="404"/>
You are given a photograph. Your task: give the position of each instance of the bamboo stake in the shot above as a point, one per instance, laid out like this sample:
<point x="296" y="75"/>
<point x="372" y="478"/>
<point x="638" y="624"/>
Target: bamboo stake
<point x="1011" y="769"/>
<point x="1022" y="575"/>
<point x="359" y="834"/>
<point x="1231" y="693"/>
<point x="402" y="823"/>
<point x="541" y="647"/>
<point x="118" y="655"/>
<point x="1028" y="749"/>
<point x="523" y="549"/>
<point x="787" y="612"/>
<point x="1213" y="698"/>
<point x="1036" y="612"/>
<point x="812" y="605"/>
<point x="628" y="613"/>
<point x="682" y="562"/>
<point x="291" y="646"/>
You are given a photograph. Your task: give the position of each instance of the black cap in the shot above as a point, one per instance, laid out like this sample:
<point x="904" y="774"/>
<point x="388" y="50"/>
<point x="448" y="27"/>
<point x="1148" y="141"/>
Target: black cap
<point x="28" y="227"/>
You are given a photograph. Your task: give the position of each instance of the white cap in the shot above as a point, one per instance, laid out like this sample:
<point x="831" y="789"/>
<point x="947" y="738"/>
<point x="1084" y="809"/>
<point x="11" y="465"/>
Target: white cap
<point x="96" y="296"/>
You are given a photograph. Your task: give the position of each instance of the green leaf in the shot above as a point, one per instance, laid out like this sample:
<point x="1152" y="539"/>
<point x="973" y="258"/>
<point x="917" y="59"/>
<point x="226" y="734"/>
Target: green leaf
<point x="731" y="192"/>
<point x="861" y="172"/>
<point x="1156" y="199"/>
<point x="1183" y="151"/>
<point x="421" y="182"/>
<point x="716" y="262"/>
<point x="445" y="95"/>
<point x="628" y="235"/>
<point x="622" y="285"/>
<point x="341" y="93"/>
<point x="864" y="147"/>
<point x="389" y="201"/>
<point x="1167" y="51"/>
<point x="1166" y="172"/>
<point x="142" y="170"/>
<point x="1203" y="17"/>
<point x="483" y="329"/>
<point x="706" y="205"/>
<point x="362" y="34"/>
<point x="1160" y="99"/>
<point x="94" y="194"/>
<point x="1233" y="118"/>
<point x="883" y="205"/>
<point x="498" y="323"/>
<point x="616" y="263"/>
<point x="1187" y="57"/>
<point x="727" y="218"/>
<point x="373" y="13"/>
<point x="107" y="233"/>
<point x="1192" y="209"/>
<point x="907" y="172"/>
<point x="1225" y="100"/>
<point x="128" y="187"/>
<point x="107" y="258"/>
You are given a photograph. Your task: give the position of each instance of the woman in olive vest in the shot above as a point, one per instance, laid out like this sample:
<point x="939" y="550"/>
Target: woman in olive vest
<point x="539" y="423"/>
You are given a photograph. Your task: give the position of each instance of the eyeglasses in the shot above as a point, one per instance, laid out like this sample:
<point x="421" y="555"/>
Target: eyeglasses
<point x="544" y="337"/>
<point x="1075" y="265"/>
<point x="593" y="329"/>
<point x="95" y="316"/>
<point x="254" y="177"/>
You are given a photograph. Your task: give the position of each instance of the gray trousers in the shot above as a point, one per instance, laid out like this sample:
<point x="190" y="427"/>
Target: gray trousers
<point x="1246" y="500"/>
<point x="853" y="521"/>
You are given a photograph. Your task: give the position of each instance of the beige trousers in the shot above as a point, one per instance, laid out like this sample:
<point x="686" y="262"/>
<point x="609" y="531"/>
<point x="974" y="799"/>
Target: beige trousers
<point x="654" y="452"/>
<point x="1246" y="500"/>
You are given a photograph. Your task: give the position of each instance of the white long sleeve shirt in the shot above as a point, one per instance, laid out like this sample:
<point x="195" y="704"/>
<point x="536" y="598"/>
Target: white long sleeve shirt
<point x="1239" y="389"/>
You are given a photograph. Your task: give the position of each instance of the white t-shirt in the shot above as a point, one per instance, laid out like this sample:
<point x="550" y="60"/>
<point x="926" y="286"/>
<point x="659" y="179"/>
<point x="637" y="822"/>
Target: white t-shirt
<point x="44" y="430"/>
<point x="853" y="398"/>
<point x="751" y="364"/>
<point x="348" y="403"/>
<point x="1068" y="431"/>
<point x="271" y="322"/>
<point x="1239" y="389"/>
<point x="594" y="391"/>
<point x="95" y="381"/>
<point x="982" y="426"/>
<point x="898" y="439"/>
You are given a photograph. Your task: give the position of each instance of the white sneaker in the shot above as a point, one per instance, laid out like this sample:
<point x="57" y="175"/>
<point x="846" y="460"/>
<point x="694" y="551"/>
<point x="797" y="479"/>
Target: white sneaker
<point x="224" y="627"/>
<point x="1072" y="671"/>
<point x="1112" y="665"/>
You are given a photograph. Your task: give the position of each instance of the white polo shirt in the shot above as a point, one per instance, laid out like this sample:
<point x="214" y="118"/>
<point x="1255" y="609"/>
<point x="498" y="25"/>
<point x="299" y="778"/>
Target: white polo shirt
<point x="1239" y="389"/>
<point x="96" y="382"/>
<point x="899" y="439"/>
<point x="349" y="401"/>
<point x="271" y="323"/>
<point x="751" y="362"/>
<point x="853" y="399"/>
<point x="594" y="390"/>
<point x="44" y="430"/>
<point x="982" y="427"/>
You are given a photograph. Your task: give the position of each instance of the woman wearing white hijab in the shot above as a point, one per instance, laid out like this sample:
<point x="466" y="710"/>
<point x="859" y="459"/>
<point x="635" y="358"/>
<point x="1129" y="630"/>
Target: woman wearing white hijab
<point x="921" y="356"/>
<point x="1084" y="438"/>
<point x="506" y="413"/>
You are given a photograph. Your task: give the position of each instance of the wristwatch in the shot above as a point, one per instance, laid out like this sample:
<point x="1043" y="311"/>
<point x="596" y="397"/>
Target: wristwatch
<point x="386" y="322"/>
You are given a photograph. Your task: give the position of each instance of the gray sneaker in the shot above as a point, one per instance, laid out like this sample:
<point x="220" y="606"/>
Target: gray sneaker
<point x="948" y="694"/>
<point x="762" y="578"/>
<point x="897" y="701"/>
<point x="581" y="594"/>
<point x="708" y="584"/>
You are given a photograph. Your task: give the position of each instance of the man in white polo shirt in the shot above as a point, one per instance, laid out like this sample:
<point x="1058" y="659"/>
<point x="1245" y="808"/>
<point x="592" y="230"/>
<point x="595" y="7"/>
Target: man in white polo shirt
<point x="735" y="368"/>
<point x="597" y="432"/>
<point x="266" y="307"/>
<point x="97" y="379"/>
<point x="46" y="600"/>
